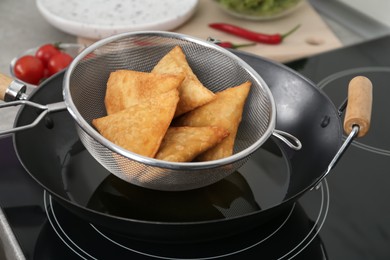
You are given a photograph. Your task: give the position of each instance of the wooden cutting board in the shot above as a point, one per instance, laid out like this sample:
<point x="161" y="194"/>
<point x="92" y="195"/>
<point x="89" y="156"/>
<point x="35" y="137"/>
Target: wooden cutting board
<point x="314" y="36"/>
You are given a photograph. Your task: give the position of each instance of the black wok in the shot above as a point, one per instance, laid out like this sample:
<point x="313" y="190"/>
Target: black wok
<point x="268" y="185"/>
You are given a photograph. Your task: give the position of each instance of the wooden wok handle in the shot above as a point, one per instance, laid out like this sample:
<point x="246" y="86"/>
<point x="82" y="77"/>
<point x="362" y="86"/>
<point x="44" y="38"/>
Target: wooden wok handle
<point x="359" y="105"/>
<point x="5" y="81"/>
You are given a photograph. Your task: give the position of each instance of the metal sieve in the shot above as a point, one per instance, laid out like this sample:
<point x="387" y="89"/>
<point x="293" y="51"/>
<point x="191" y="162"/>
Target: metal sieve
<point x="84" y="91"/>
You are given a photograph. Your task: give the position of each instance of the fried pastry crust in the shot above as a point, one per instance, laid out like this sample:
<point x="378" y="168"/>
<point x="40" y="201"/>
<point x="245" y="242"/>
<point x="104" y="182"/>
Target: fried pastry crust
<point x="226" y="112"/>
<point x="192" y="92"/>
<point x="183" y="144"/>
<point x="127" y="87"/>
<point x="140" y="128"/>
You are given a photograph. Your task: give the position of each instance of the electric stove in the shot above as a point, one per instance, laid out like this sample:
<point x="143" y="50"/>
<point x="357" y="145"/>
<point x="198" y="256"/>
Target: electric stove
<point x="346" y="217"/>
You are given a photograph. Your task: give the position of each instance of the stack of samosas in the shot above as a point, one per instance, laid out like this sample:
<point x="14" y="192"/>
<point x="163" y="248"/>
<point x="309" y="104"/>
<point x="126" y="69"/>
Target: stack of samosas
<point x="168" y="114"/>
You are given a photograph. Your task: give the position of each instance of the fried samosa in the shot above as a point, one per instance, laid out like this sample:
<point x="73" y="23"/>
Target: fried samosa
<point x="192" y="92"/>
<point x="226" y="112"/>
<point x="140" y="128"/>
<point x="127" y="87"/>
<point x="183" y="144"/>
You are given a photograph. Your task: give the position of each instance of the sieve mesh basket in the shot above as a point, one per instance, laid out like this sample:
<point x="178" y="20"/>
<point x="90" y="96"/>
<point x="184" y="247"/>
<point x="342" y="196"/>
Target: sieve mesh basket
<point x="218" y="69"/>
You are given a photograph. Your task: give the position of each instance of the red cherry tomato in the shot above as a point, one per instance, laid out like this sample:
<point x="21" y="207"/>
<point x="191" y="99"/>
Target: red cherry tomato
<point x="29" y="69"/>
<point x="59" y="62"/>
<point x="45" y="52"/>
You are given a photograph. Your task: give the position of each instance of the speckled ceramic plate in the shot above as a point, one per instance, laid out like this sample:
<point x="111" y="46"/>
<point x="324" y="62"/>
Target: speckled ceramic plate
<point x="97" y="19"/>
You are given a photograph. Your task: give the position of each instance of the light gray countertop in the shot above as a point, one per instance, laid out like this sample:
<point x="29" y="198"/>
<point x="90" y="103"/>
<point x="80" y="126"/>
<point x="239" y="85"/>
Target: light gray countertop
<point x="21" y="28"/>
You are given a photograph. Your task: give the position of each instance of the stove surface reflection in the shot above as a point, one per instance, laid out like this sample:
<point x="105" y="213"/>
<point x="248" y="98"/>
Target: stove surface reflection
<point x="295" y="231"/>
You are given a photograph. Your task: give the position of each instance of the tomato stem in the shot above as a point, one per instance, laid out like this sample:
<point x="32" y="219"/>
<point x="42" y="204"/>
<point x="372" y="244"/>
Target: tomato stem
<point x="57" y="45"/>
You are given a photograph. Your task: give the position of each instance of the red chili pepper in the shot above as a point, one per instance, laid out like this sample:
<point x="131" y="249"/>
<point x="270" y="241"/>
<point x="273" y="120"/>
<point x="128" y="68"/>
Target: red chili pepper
<point x="251" y="35"/>
<point x="231" y="45"/>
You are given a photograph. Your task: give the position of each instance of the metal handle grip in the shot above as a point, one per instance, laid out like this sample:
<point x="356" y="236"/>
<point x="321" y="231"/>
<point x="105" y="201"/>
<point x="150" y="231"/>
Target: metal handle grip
<point x="11" y="90"/>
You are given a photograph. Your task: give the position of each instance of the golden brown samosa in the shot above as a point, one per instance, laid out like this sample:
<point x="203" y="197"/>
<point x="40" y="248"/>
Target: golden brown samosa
<point x="141" y="127"/>
<point x="226" y="112"/>
<point x="183" y="144"/>
<point x="192" y="92"/>
<point x="127" y="87"/>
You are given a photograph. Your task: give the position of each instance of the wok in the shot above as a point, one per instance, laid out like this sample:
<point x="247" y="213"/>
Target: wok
<point x="84" y="93"/>
<point x="263" y="189"/>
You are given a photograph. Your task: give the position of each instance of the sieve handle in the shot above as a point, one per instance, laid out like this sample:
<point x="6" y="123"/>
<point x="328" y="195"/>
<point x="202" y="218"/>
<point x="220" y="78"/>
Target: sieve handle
<point x="45" y="109"/>
<point x="359" y="106"/>
<point x="12" y="92"/>
<point x="287" y="138"/>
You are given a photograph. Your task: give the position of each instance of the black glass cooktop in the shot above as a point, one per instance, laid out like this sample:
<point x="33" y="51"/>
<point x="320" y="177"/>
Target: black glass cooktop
<point x="348" y="217"/>
<point x="358" y="223"/>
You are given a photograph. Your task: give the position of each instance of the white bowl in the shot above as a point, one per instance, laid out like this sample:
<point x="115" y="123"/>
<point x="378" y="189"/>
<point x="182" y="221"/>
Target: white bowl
<point x="100" y="19"/>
